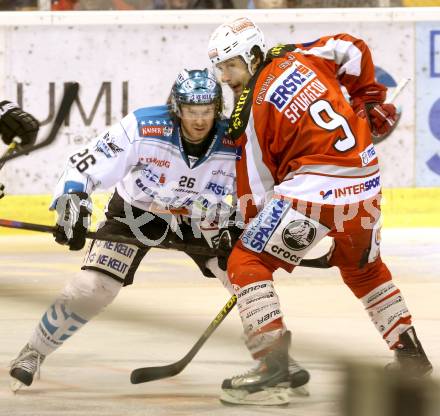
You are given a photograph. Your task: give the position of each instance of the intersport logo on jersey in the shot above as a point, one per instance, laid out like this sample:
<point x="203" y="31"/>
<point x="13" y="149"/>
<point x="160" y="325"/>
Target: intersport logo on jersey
<point x="289" y="84"/>
<point x="352" y="189"/>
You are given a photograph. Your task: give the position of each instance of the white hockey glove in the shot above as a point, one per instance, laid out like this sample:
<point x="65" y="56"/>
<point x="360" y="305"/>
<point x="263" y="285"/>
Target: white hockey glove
<point x="74" y="217"/>
<point x="16" y="122"/>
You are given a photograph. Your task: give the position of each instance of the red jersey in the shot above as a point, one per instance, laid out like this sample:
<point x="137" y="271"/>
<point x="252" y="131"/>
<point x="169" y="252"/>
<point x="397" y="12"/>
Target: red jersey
<point x="297" y="133"/>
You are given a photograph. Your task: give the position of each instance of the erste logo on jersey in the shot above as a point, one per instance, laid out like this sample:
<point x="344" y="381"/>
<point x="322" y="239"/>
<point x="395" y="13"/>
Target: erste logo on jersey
<point x="289" y="84"/>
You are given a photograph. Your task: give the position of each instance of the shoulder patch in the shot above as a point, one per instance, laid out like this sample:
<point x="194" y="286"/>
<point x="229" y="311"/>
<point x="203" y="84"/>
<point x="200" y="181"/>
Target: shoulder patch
<point x="155" y="128"/>
<point x="154" y="121"/>
<point x="107" y="146"/>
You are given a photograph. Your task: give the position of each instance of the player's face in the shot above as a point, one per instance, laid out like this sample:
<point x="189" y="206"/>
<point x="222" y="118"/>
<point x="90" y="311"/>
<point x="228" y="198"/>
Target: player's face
<point x="235" y="73"/>
<point x="197" y="121"/>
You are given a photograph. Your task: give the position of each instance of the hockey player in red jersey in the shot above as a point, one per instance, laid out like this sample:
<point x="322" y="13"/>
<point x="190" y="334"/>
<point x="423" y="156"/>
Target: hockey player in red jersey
<point x="307" y="169"/>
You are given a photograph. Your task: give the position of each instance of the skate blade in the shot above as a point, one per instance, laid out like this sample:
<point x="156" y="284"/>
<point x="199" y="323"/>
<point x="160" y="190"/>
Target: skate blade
<point x="15" y="385"/>
<point x="271" y="396"/>
<point x="301" y="391"/>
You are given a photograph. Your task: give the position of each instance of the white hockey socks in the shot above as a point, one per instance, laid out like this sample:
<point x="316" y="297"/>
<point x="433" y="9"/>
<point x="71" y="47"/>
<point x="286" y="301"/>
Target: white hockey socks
<point x="259" y="305"/>
<point x="87" y="294"/>
<point x="388" y="311"/>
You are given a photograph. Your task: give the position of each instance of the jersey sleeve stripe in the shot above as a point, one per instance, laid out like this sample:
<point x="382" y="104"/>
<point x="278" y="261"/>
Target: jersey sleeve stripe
<point x="343" y="52"/>
<point x="333" y="170"/>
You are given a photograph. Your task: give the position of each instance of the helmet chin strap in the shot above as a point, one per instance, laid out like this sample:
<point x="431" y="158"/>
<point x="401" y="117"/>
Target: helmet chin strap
<point x="249" y="64"/>
<point x="253" y="63"/>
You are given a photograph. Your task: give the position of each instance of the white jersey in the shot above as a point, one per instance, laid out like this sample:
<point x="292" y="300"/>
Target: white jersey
<point x="143" y="156"/>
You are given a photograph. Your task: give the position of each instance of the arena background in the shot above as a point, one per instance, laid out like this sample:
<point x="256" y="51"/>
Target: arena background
<point x="124" y="61"/>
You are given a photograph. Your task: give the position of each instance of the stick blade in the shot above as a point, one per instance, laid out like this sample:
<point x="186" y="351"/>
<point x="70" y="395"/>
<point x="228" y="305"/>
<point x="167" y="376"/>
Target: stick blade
<point x="145" y="374"/>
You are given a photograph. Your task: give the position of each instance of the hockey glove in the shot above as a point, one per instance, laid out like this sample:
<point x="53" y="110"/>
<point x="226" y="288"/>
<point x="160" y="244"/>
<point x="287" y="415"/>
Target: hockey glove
<point x="382" y="118"/>
<point x="227" y="239"/>
<point x="74" y="216"/>
<point x="16" y="122"/>
<point x="2" y="190"/>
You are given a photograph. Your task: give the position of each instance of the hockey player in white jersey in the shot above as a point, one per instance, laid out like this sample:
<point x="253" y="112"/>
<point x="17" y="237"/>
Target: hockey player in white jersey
<point x="173" y="167"/>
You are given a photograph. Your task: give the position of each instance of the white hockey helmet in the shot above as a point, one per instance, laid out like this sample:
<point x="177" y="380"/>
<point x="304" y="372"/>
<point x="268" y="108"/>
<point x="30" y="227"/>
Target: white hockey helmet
<point x="236" y="38"/>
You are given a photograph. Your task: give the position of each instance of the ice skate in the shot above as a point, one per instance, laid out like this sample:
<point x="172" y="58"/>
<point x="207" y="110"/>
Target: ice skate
<point x="299" y="377"/>
<point x="409" y="356"/>
<point x="268" y="384"/>
<point x="24" y="367"/>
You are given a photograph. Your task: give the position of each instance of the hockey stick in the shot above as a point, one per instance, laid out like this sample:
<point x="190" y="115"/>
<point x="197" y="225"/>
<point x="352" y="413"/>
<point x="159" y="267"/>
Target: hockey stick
<point x="144" y="374"/>
<point x="166" y="244"/>
<point x="70" y="93"/>
<point x="319" y="263"/>
<point x="399" y="88"/>
<point x="11" y="149"/>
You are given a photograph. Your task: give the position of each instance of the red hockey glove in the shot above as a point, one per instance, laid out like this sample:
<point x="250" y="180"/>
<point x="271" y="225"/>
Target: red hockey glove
<point x="382" y="118"/>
